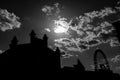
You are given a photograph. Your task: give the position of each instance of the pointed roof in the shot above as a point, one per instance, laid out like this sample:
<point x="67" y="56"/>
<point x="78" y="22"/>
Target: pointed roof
<point x="79" y="65"/>
<point x="32" y="33"/>
<point x="45" y="37"/>
<point x="14" y="40"/>
<point x="57" y="50"/>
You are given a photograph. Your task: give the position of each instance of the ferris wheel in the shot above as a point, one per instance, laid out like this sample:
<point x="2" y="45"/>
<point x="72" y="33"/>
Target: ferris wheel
<point x="101" y="67"/>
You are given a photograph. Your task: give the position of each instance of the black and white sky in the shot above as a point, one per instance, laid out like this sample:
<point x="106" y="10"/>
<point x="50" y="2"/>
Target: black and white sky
<point x="32" y="17"/>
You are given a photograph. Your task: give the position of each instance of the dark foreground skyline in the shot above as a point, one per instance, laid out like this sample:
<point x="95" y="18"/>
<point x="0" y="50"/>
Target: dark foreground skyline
<point x="48" y="62"/>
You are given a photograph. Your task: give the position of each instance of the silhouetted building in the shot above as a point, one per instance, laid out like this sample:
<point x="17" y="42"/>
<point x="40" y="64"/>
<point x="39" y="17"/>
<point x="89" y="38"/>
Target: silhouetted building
<point x="116" y="25"/>
<point x="32" y="36"/>
<point x="76" y="68"/>
<point x="45" y="40"/>
<point x="14" y="42"/>
<point x="47" y="61"/>
<point x="35" y="52"/>
<point x="79" y="67"/>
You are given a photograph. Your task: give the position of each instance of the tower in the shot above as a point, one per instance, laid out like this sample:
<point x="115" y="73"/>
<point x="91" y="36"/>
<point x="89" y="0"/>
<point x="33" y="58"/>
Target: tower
<point x="14" y="42"/>
<point x="45" y="40"/>
<point x="58" y="57"/>
<point x="32" y="36"/>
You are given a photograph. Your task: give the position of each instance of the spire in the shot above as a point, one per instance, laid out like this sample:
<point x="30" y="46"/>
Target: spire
<point x="14" y="42"/>
<point x="32" y="36"/>
<point x="45" y="40"/>
<point x="45" y="37"/>
<point x="58" y="57"/>
<point x="57" y="50"/>
<point x="32" y="33"/>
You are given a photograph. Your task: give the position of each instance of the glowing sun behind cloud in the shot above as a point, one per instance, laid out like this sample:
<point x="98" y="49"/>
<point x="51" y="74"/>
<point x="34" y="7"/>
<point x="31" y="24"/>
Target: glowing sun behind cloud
<point x="60" y="29"/>
<point x="61" y="26"/>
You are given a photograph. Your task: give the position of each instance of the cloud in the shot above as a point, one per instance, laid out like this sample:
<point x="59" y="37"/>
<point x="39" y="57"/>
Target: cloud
<point x="116" y="59"/>
<point x="1" y="51"/>
<point x="85" y="31"/>
<point x="102" y="13"/>
<point x="47" y="29"/>
<point x="53" y="10"/>
<point x="8" y="21"/>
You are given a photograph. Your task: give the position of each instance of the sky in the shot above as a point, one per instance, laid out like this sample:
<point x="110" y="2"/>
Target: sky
<point x="31" y="16"/>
